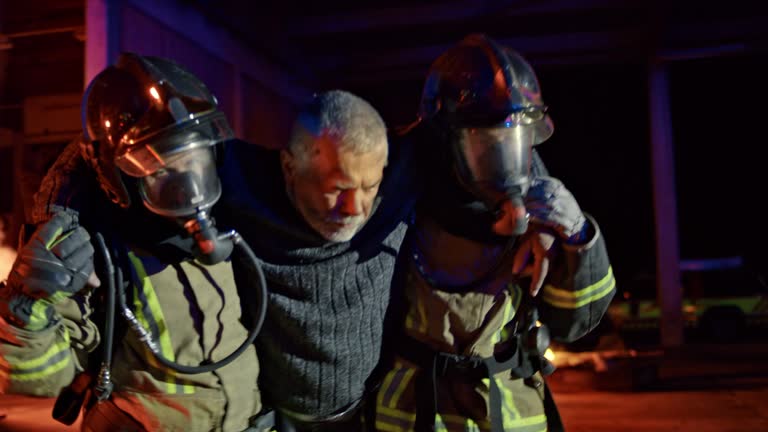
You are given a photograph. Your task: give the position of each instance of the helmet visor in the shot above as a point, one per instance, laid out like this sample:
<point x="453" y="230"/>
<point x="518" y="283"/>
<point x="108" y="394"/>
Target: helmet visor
<point x="186" y="184"/>
<point x="495" y="161"/>
<point x="142" y="160"/>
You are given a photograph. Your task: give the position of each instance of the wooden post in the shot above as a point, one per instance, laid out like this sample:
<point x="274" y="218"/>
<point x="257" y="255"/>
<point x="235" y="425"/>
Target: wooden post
<point x="669" y="290"/>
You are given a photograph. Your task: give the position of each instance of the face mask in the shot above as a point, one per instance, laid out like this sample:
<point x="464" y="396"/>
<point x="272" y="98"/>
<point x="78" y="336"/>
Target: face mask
<point x="495" y="163"/>
<point x="181" y="184"/>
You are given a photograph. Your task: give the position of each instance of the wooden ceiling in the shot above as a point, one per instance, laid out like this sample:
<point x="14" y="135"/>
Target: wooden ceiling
<point x="367" y="45"/>
<point x="347" y="42"/>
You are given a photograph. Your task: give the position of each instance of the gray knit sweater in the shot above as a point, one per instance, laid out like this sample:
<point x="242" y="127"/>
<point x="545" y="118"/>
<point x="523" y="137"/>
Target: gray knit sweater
<point x="322" y="337"/>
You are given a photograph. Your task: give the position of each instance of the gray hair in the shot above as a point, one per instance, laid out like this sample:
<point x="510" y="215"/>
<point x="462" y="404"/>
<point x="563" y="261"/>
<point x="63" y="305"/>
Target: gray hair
<point x="351" y="120"/>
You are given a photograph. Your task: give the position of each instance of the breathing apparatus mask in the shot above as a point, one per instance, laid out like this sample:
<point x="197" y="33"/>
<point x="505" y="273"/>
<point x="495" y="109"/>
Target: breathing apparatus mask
<point x="181" y="183"/>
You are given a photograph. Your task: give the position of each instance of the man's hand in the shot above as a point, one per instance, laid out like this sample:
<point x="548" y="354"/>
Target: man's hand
<point x="536" y="246"/>
<point x="55" y="263"/>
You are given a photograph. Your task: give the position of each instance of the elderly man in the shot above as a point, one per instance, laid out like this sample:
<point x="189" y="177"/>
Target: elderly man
<point x="328" y="233"/>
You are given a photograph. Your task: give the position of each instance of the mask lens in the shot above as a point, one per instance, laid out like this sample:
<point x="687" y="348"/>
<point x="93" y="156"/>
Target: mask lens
<point x="186" y="184"/>
<point x="496" y="155"/>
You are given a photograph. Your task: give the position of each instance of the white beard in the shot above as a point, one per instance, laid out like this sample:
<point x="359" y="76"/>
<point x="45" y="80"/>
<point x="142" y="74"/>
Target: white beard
<point x="351" y="226"/>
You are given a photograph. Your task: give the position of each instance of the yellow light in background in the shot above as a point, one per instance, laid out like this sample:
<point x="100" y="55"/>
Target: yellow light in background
<point x="154" y="93"/>
<point x="549" y="354"/>
<point x="107" y="123"/>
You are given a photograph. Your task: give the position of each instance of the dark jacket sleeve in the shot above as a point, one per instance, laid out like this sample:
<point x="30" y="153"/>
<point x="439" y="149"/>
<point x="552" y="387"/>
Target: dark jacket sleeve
<point x="578" y="289"/>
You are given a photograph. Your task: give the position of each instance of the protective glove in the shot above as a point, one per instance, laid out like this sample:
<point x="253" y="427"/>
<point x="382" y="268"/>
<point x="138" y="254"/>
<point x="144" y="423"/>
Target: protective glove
<point x="551" y="205"/>
<point x="553" y="212"/>
<point x="55" y="263"/>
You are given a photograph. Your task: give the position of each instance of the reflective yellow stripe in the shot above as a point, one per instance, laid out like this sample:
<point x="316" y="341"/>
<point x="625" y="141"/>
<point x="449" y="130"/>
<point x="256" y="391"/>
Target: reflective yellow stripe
<point x="166" y="346"/>
<point x="439" y="425"/>
<point x="403" y="384"/>
<point x="509" y="412"/>
<point x="50" y="370"/>
<point x="509" y="310"/>
<point x="37" y="316"/>
<point x="514" y="419"/>
<point x="54" y="350"/>
<point x="576" y="299"/>
<point x="388" y="417"/>
<point x="396" y="413"/>
<point x="388" y="383"/>
<point x="471" y="426"/>
<point x="422" y="319"/>
<point x="55" y="238"/>
<point x="386" y="427"/>
<point x="584" y="291"/>
<point x="409" y="321"/>
<point x="577" y="304"/>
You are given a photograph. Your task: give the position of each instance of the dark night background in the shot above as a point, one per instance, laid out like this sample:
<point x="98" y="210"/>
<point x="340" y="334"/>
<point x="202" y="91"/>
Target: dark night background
<point x="656" y="370"/>
<point x="592" y="59"/>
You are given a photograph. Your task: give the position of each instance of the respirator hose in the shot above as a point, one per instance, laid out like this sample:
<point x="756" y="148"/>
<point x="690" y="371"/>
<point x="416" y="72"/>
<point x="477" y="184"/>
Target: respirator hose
<point x="148" y="339"/>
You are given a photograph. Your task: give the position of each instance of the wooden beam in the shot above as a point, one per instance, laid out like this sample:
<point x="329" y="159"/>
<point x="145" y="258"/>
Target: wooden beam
<point x="218" y="41"/>
<point x="418" y="15"/>
<point x="686" y="42"/>
<point x="549" y="49"/>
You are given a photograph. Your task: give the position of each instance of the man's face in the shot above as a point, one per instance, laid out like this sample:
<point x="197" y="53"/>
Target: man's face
<point x="334" y="189"/>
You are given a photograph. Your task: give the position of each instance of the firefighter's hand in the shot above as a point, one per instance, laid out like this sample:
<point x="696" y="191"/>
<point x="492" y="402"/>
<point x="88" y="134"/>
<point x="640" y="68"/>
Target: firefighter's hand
<point x="55" y="263"/>
<point x="532" y="258"/>
<point x="551" y="206"/>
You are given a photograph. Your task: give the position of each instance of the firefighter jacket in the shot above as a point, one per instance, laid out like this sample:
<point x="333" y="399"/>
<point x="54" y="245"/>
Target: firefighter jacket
<point x="192" y="310"/>
<point x="454" y="308"/>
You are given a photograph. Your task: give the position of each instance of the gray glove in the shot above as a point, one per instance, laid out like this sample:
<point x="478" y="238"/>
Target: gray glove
<point x="55" y="263"/>
<point x="550" y="204"/>
<point x="553" y="213"/>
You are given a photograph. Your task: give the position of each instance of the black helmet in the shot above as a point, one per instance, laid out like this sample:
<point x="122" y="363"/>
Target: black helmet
<point x="140" y="117"/>
<point x="479" y="83"/>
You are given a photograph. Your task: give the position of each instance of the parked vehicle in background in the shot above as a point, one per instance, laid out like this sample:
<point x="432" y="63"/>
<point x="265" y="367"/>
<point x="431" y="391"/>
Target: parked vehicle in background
<point x="724" y="300"/>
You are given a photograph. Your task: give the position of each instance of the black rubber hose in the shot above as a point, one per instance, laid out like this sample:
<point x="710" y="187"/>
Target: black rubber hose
<point x="258" y="319"/>
<point x="109" y="323"/>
